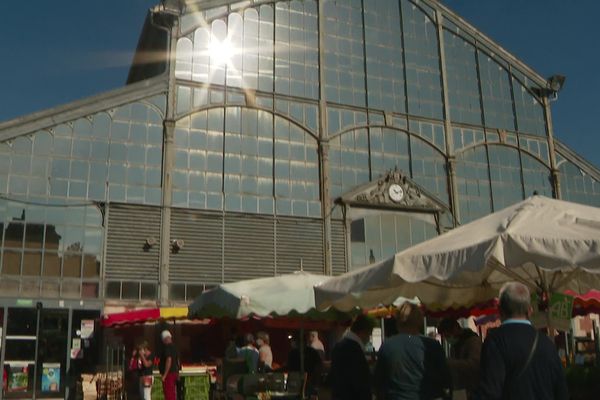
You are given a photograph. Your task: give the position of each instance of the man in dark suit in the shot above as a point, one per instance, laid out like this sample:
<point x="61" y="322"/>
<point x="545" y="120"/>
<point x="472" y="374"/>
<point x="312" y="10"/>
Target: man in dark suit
<point x="350" y="375"/>
<point x="465" y="354"/>
<point x="517" y="361"/>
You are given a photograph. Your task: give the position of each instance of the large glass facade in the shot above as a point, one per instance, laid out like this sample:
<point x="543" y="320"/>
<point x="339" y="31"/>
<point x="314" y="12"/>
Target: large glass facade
<point x="245" y="160"/>
<point x="275" y="105"/>
<point x="54" y="184"/>
<point x="108" y="156"/>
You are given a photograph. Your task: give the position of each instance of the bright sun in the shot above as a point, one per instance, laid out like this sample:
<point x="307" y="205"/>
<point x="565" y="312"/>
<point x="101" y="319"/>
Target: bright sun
<point x="220" y="52"/>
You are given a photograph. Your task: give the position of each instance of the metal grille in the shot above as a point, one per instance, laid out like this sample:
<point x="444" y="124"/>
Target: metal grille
<point x="338" y="247"/>
<point x="127" y="255"/>
<point x="231" y="247"/>
<point x="201" y="259"/>
<point x="249" y="247"/>
<point x="300" y="245"/>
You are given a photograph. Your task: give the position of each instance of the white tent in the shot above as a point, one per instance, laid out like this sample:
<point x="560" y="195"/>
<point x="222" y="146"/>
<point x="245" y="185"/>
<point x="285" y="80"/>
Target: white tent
<point x="285" y="295"/>
<point x="548" y="244"/>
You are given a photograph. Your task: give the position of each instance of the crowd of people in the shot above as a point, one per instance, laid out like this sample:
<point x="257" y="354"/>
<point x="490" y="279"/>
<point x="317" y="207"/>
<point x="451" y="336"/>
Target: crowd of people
<point x="516" y="361"/>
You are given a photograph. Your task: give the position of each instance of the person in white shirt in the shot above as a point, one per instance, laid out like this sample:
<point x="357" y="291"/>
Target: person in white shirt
<point x="265" y="355"/>
<point x="315" y="343"/>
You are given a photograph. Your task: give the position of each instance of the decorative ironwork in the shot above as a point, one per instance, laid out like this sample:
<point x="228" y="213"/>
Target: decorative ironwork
<point x="392" y="190"/>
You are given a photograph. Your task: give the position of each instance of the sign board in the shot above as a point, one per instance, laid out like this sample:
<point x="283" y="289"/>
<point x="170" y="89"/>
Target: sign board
<point x="560" y="311"/>
<point x="76" y="350"/>
<point x="24" y="303"/>
<point x="558" y="314"/>
<point x="87" y="328"/>
<point x="18" y="378"/>
<point x="50" y="377"/>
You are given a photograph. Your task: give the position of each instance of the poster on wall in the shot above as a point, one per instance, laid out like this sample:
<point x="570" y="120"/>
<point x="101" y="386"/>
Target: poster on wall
<point x="87" y="328"/>
<point x="76" y="350"/>
<point x="50" y="377"/>
<point x="18" y="379"/>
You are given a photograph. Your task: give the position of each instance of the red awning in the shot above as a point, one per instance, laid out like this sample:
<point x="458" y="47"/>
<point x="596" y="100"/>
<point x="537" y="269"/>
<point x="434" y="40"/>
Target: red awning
<point x="588" y="303"/>
<point x="131" y="317"/>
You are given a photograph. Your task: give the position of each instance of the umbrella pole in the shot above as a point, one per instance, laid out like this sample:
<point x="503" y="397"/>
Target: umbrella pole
<point x="301" y="345"/>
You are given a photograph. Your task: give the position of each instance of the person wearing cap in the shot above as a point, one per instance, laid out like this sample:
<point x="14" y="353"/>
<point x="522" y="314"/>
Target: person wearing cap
<point x="464" y="355"/>
<point x="169" y="366"/>
<point x="350" y="376"/>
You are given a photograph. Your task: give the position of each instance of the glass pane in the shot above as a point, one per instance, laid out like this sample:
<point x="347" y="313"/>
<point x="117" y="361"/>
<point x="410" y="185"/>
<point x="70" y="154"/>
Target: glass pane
<point x="131" y="290"/>
<point x="496" y="90"/>
<point x="113" y="290"/>
<point x="148" y="291"/>
<point x="383" y="46"/>
<point x="52" y="264"/>
<point x="463" y="87"/>
<point x="344" y="60"/>
<point x="32" y="264"/>
<point x="71" y="289"/>
<point x="423" y="78"/>
<point x="11" y="262"/>
<point x="72" y="265"/>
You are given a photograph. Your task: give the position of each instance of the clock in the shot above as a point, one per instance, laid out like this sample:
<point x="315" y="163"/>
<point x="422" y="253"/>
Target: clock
<point x="396" y="192"/>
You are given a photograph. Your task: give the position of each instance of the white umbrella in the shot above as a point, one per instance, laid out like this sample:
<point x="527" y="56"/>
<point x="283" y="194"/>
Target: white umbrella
<point x="285" y="295"/>
<point x="548" y="244"/>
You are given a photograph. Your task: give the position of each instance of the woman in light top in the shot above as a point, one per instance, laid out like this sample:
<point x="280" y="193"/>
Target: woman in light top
<point x="265" y="356"/>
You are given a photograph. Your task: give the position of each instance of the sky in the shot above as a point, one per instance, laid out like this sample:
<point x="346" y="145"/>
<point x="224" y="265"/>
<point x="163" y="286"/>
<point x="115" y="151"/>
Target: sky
<point x="54" y="52"/>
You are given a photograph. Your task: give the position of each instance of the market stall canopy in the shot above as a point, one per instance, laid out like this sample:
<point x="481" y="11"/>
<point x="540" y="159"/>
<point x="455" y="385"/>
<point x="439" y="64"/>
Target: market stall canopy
<point x="285" y="295"/>
<point x="144" y="315"/>
<point x="587" y="303"/>
<point x="548" y="244"/>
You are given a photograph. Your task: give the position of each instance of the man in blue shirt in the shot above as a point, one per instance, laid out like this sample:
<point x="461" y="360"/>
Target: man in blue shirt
<point x="517" y="361"/>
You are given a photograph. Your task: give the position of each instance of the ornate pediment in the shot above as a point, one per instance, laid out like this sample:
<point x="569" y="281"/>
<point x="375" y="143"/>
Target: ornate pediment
<point x="393" y="190"/>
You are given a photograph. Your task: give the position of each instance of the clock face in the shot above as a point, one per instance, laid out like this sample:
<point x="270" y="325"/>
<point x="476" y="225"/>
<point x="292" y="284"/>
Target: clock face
<point x="396" y="192"/>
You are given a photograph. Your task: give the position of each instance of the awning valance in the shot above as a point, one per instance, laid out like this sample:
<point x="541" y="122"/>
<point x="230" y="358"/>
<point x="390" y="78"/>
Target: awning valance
<point x="144" y="315"/>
